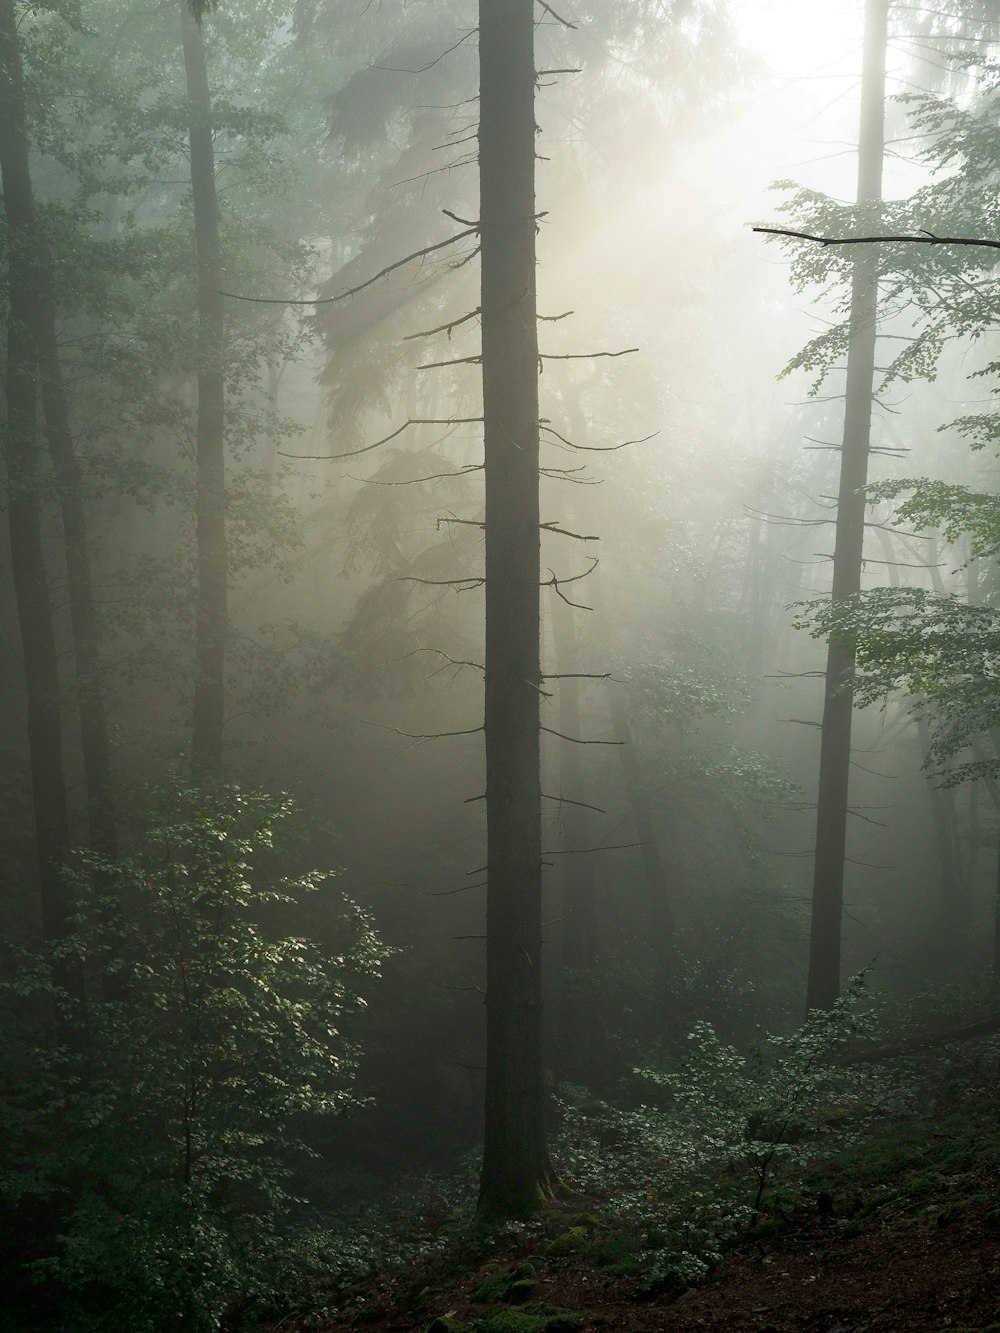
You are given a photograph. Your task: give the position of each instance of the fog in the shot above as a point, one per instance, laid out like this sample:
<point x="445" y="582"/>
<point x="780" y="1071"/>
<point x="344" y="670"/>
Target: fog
<point x="691" y="381"/>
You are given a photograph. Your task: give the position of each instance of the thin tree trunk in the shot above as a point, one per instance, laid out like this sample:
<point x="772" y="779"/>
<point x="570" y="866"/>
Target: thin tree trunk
<point x="835" y="748"/>
<point x="577" y="1050"/>
<point x="31" y="585"/>
<point x="516" y="1174"/>
<point x="210" y="503"/>
<point x="656" y="878"/>
<point x="94" y="737"/>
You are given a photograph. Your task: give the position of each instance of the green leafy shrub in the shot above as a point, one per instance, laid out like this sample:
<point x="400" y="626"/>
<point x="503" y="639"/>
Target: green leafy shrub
<point x="690" y="1172"/>
<point x="777" y="1103"/>
<point x="161" y="1128"/>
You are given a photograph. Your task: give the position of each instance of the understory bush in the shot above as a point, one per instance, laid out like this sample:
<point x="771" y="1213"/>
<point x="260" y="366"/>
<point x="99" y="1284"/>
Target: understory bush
<point x="691" y="1165"/>
<point x="157" y="1122"/>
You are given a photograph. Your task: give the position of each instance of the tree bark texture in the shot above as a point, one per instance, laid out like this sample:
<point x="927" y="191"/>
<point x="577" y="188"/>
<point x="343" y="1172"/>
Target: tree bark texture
<point x="516" y="1174"/>
<point x="211" y="613"/>
<point x="835" y="747"/>
<point x="30" y="576"/>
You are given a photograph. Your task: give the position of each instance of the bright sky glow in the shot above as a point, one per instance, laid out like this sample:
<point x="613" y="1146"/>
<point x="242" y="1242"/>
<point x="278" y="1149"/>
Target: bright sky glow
<point x="798" y="38"/>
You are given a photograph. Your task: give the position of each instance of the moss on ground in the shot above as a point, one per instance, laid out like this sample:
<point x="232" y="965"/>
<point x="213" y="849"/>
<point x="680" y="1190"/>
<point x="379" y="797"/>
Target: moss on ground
<point x="513" y="1286"/>
<point x="531" y="1319"/>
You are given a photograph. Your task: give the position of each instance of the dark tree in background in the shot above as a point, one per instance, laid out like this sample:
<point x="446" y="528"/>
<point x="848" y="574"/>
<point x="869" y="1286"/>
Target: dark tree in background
<point x="516" y="1173"/>
<point x="835" y="747"/>
<point x="30" y="576"/>
<point x="38" y="342"/>
<point x="210" y="501"/>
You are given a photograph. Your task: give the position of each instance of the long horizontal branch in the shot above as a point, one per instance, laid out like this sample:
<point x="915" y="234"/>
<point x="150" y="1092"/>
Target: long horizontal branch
<point x="352" y="291"/>
<point x="410" y="421"/>
<point x="586" y="851"/>
<point x="577" y="740"/>
<point x="583" y="356"/>
<point x="925" y="238"/>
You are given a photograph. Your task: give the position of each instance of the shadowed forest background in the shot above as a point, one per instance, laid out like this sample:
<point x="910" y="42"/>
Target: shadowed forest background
<point x="248" y="282"/>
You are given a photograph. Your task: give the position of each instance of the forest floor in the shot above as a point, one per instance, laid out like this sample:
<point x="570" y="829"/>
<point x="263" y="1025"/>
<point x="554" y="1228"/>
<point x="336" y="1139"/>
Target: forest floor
<point x="900" y="1235"/>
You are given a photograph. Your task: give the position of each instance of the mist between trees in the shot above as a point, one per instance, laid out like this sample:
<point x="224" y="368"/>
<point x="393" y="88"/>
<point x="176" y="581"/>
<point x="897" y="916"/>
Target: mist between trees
<point x="475" y="612"/>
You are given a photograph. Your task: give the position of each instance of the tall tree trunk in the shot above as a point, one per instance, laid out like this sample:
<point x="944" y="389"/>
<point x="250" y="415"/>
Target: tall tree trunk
<point x="835" y="748"/>
<point x="210" y="502"/>
<point x="516" y="1174"/>
<point x="31" y="585"/>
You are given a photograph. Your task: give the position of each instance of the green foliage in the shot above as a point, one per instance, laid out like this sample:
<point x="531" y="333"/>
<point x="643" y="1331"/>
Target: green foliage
<point x="691" y="1171"/>
<point x="166" y="1126"/>
<point x="939" y="650"/>
<point x="774" y="1104"/>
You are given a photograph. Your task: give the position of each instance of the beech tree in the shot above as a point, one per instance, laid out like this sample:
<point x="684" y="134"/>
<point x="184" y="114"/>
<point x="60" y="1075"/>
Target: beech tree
<point x="823" y="985"/>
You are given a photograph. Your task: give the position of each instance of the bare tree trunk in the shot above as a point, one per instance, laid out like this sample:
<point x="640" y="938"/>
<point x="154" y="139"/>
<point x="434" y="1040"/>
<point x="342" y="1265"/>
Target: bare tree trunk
<point x="835" y="748"/>
<point x="31" y="586"/>
<point x="210" y="503"/>
<point x="516" y="1174"/>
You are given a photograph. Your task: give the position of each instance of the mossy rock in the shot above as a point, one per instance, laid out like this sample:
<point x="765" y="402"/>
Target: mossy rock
<point x="446" y="1323"/>
<point x="512" y="1286"/>
<point x="532" y="1319"/>
<point x="574" y="1241"/>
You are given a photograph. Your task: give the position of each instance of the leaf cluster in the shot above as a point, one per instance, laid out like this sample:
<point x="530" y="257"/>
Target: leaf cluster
<point x="166" y="1123"/>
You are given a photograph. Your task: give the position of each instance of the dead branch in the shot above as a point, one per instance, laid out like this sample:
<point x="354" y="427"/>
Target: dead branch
<point x="458" y="361"/>
<point x="558" y="17"/>
<point x="585" y="851"/>
<point x="566" y="474"/>
<point x="576" y="675"/>
<point x="554" y="583"/>
<point x="392" y="69"/>
<point x="576" y="739"/>
<point x="565" y="800"/>
<point x="417" y="736"/>
<point x="465" y="522"/>
<point x="462" y="584"/>
<point x="445" y="328"/>
<point x="415" y="481"/>
<point x="594" y="448"/>
<point x="583" y="356"/>
<point x="925" y="238"/>
<point x="565" y="532"/>
<point x="453" y="143"/>
<point x="438" y="171"/>
<point x="452" y="661"/>
<point x="410" y="421"/>
<point x="352" y="291"/>
<point x="448" y="893"/>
